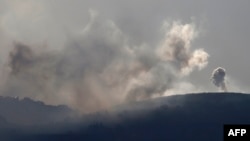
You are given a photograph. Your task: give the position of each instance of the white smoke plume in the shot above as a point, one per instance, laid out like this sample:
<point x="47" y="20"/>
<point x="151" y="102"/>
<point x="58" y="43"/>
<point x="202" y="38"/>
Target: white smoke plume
<point x="218" y="78"/>
<point x="99" y="67"/>
<point x="176" y="49"/>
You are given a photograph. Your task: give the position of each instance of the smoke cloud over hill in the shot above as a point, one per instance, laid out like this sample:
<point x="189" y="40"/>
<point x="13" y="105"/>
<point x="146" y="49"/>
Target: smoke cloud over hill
<point x="99" y="66"/>
<point x="218" y="78"/>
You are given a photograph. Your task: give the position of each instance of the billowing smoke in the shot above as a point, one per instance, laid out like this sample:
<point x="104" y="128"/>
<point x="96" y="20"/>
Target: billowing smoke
<point x="176" y="49"/>
<point x="218" y="78"/>
<point x="100" y="67"/>
<point x="20" y="58"/>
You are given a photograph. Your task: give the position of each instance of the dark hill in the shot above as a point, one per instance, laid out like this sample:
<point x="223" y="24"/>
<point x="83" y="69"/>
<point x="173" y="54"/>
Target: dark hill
<point x="190" y="117"/>
<point x="25" y="112"/>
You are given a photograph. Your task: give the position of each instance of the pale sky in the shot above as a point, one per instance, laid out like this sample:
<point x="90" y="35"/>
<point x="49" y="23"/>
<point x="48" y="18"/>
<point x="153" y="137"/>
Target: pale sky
<point x="222" y="27"/>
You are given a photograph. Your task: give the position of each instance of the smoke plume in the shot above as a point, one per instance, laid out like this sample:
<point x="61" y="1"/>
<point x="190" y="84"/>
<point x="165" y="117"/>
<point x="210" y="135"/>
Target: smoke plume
<point x="99" y="67"/>
<point x="218" y="78"/>
<point x="176" y="48"/>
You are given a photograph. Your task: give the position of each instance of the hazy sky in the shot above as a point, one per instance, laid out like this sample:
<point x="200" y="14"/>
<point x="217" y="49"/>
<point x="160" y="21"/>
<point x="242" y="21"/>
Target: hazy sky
<point x="222" y="28"/>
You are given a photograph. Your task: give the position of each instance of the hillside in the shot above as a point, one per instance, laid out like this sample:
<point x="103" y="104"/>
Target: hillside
<point x="25" y="112"/>
<point x="193" y="117"/>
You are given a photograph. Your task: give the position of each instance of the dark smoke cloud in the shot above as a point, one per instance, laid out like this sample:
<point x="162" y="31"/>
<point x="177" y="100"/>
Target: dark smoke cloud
<point x="100" y="67"/>
<point x="21" y="57"/>
<point x="218" y="78"/>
